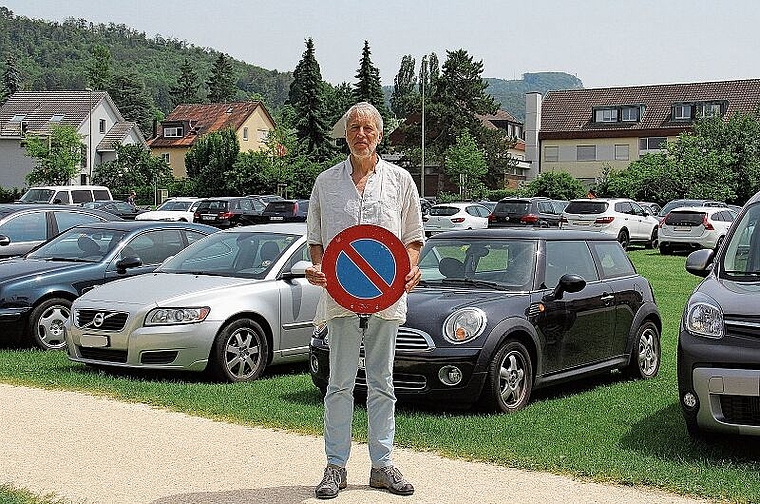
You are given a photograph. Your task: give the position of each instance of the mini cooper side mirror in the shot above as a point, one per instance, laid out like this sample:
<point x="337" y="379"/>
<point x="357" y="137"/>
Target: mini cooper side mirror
<point x="700" y="262"/>
<point x="568" y="282"/>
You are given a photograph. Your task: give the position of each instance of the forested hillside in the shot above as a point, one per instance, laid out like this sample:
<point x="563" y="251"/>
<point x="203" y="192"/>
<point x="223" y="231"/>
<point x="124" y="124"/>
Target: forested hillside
<point x="55" y="56"/>
<point x="511" y="93"/>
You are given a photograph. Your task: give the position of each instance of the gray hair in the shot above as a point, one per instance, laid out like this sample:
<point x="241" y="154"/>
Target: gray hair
<point x="364" y="108"/>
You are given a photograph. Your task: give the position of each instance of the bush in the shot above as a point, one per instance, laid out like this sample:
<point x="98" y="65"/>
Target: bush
<point x="10" y="195"/>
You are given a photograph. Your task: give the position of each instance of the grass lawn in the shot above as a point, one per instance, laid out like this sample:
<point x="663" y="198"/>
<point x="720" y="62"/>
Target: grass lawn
<point x="604" y="429"/>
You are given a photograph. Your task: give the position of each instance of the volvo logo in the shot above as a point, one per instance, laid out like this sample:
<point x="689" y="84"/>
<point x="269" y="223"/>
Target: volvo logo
<point x="98" y="319"/>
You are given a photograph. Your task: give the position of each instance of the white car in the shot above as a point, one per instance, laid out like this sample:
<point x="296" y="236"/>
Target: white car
<point x="619" y="217"/>
<point x="694" y="227"/>
<point x="459" y="215"/>
<point x="173" y="209"/>
<point x="231" y="305"/>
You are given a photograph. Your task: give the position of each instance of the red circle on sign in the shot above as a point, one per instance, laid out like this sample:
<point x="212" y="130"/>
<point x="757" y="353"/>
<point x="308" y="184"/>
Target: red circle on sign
<point x="343" y="243"/>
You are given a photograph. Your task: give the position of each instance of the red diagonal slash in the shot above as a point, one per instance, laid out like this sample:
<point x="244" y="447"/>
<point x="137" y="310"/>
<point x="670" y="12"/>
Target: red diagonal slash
<point x="366" y="268"/>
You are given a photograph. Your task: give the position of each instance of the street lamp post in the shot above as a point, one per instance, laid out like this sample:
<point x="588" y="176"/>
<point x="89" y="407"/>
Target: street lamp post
<point x="90" y="157"/>
<point x="422" y="168"/>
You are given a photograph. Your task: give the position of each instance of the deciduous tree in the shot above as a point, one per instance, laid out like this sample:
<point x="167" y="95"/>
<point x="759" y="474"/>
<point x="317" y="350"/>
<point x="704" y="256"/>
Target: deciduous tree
<point x="404" y="88"/>
<point x="210" y="158"/>
<point x="99" y="68"/>
<point x="11" y="78"/>
<point x="465" y="164"/>
<point x="57" y="156"/>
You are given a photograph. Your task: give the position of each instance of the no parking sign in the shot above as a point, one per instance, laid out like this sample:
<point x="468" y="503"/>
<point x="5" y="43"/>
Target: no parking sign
<point x="365" y="266"/>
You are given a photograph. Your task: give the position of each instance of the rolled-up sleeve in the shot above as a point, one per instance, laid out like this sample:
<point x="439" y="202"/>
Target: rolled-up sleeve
<point x="314" y="217"/>
<point x="412" y="229"/>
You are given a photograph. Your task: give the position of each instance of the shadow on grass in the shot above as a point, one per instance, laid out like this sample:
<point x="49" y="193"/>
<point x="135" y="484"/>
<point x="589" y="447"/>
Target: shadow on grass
<point x="663" y="435"/>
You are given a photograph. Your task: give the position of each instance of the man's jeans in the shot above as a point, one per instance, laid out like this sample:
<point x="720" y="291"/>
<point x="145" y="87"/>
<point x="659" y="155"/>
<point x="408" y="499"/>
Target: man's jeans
<point x="345" y="336"/>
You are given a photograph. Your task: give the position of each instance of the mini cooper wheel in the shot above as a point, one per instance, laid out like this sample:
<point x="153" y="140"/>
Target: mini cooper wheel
<point x="46" y="324"/>
<point x="645" y="356"/>
<point x="240" y="352"/>
<point x="510" y="378"/>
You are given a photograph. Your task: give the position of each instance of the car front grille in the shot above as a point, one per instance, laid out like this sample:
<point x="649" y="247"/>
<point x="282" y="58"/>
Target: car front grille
<point x="740" y="410"/>
<point x="742" y="326"/>
<point x="101" y="320"/>
<point x="413" y="339"/>
<point x="103" y="354"/>
<point x="400" y="381"/>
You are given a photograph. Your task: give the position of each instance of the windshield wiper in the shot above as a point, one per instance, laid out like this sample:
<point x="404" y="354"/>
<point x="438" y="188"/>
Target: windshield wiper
<point x="63" y="259"/>
<point x="474" y="283"/>
<point x="742" y="273"/>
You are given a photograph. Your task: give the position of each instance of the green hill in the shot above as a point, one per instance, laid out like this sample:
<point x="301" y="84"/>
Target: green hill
<point x="55" y="56"/>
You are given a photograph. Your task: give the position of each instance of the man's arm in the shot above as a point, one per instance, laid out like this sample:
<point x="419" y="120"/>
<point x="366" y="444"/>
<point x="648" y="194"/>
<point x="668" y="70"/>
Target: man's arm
<point x="413" y="278"/>
<point x="314" y="272"/>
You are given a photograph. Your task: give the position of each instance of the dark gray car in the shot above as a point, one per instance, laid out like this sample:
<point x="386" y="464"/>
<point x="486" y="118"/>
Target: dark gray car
<point x="535" y="211"/>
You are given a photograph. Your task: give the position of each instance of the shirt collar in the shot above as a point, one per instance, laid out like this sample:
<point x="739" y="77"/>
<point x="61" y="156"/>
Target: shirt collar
<point x="348" y="168"/>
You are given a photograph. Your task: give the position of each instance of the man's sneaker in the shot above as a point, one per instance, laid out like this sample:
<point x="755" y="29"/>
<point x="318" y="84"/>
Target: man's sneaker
<point x="391" y="479"/>
<point x="333" y="480"/>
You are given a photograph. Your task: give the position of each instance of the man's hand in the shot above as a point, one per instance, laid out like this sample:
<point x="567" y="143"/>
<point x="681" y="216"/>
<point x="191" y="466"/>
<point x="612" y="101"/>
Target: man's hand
<point x="315" y="276"/>
<point x="413" y="278"/>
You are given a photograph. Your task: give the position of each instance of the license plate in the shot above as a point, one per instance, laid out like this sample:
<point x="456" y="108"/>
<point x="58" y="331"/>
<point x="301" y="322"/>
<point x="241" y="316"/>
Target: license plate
<point x="208" y="217"/>
<point x="362" y="364"/>
<point x="276" y="217"/>
<point x="681" y="228"/>
<point x="92" y="340"/>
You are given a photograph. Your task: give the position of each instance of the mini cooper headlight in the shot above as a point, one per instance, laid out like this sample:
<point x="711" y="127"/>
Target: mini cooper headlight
<point x="464" y="325"/>
<point x="174" y="316"/>
<point x="704" y="319"/>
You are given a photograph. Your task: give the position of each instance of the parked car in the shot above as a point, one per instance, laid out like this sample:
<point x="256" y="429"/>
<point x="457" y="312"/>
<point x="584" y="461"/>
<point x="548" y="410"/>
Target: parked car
<point x="502" y="312"/>
<point x="490" y="205"/>
<point x="36" y="290"/>
<point x="123" y="209"/>
<point x="618" y="217"/>
<point x="694" y="227"/>
<point x="718" y="356"/>
<point x="285" y="211"/>
<point x="457" y="215"/>
<point x="652" y="208"/>
<point x="677" y="203"/>
<point x="23" y="227"/>
<point x="535" y="211"/>
<point x="233" y="303"/>
<point x="226" y="212"/>
<point x="66" y="195"/>
<point x="173" y="209"/>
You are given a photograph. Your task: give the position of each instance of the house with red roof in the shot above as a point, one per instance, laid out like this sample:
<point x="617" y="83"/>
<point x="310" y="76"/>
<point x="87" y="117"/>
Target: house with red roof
<point x="174" y="136"/>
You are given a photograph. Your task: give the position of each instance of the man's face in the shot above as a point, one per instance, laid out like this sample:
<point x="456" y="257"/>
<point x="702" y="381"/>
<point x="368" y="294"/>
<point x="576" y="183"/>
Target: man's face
<point x="362" y="135"/>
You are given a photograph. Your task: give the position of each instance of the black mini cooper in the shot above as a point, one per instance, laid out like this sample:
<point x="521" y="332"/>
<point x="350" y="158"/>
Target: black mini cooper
<point x="501" y="312"/>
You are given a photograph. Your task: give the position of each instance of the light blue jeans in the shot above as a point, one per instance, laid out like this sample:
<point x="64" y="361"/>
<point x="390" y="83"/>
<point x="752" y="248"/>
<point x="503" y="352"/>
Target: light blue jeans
<point x="345" y="337"/>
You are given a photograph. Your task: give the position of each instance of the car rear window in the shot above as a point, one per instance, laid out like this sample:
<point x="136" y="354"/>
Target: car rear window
<point x="512" y="207"/>
<point x="279" y="206"/>
<point x="443" y="210"/>
<point x="586" y="207"/>
<point x="213" y="205"/>
<point x="684" y="218"/>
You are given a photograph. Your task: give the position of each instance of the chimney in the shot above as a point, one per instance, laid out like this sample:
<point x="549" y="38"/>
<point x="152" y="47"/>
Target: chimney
<point x="532" y="128"/>
<point x="155" y="127"/>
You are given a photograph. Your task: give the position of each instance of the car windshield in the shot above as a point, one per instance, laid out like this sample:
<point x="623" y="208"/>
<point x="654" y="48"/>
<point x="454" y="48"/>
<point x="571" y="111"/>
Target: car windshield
<point x="175" y="206"/>
<point x="80" y="244"/>
<point x="37" y="196"/>
<point x="741" y="260"/>
<point x="503" y="264"/>
<point x="244" y="254"/>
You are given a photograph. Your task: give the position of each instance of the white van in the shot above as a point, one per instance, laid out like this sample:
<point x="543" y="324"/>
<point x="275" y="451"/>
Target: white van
<point x="66" y="195"/>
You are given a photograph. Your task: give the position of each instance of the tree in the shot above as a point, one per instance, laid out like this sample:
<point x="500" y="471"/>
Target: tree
<point x="556" y="185"/>
<point x="99" y="68"/>
<point x="11" y="78"/>
<point x="221" y="84"/>
<point x="133" y="167"/>
<point x="465" y="164"/>
<point x="210" y="158"/>
<point x="58" y="155"/>
<point x="134" y="103"/>
<point x="187" y="89"/>
<point x="307" y="96"/>
<point x="368" y="87"/>
<point x="338" y="99"/>
<point x="404" y="93"/>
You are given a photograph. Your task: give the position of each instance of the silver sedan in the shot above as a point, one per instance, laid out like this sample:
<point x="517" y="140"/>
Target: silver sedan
<point x="231" y="303"/>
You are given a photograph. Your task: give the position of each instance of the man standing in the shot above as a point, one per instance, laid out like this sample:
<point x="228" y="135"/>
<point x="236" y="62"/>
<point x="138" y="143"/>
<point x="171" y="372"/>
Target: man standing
<point x="363" y="189"/>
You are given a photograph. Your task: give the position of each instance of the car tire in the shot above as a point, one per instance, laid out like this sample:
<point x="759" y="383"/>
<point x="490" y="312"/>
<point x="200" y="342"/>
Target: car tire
<point x="46" y="324"/>
<point x="510" y="378"/>
<point x="624" y="238"/>
<point x="665" y="249"/>
<point x="646" y="353"/>
<point x="240" y="352"/>
<point x="652" y="243"/>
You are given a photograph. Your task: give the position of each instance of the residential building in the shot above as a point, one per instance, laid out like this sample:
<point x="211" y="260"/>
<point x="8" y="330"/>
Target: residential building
<point x="92" y="113"/>
<point x="188" y="122"/>
<point x="581" y="131"/>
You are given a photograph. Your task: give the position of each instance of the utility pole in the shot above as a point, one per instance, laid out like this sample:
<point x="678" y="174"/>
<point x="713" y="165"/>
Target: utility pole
<point x="90" y="157"/>
<point x="422" y="168"/>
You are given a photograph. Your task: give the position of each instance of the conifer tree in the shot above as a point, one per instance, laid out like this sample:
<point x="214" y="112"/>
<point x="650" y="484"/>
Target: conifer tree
<point x="221" y="84"/>
<point x="368" y="87"/>
<point x="99" y="68"/>
<point x="11" y="78"/>
<point x="187" y="89"/>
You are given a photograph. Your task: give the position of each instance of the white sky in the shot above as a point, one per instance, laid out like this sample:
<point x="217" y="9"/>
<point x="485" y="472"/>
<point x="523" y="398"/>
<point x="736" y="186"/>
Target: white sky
<point x="603" y="42"/>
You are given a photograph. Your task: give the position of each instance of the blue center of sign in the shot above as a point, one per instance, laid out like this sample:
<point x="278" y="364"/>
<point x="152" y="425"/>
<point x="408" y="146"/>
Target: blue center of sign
<point x="356" y="281"/>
